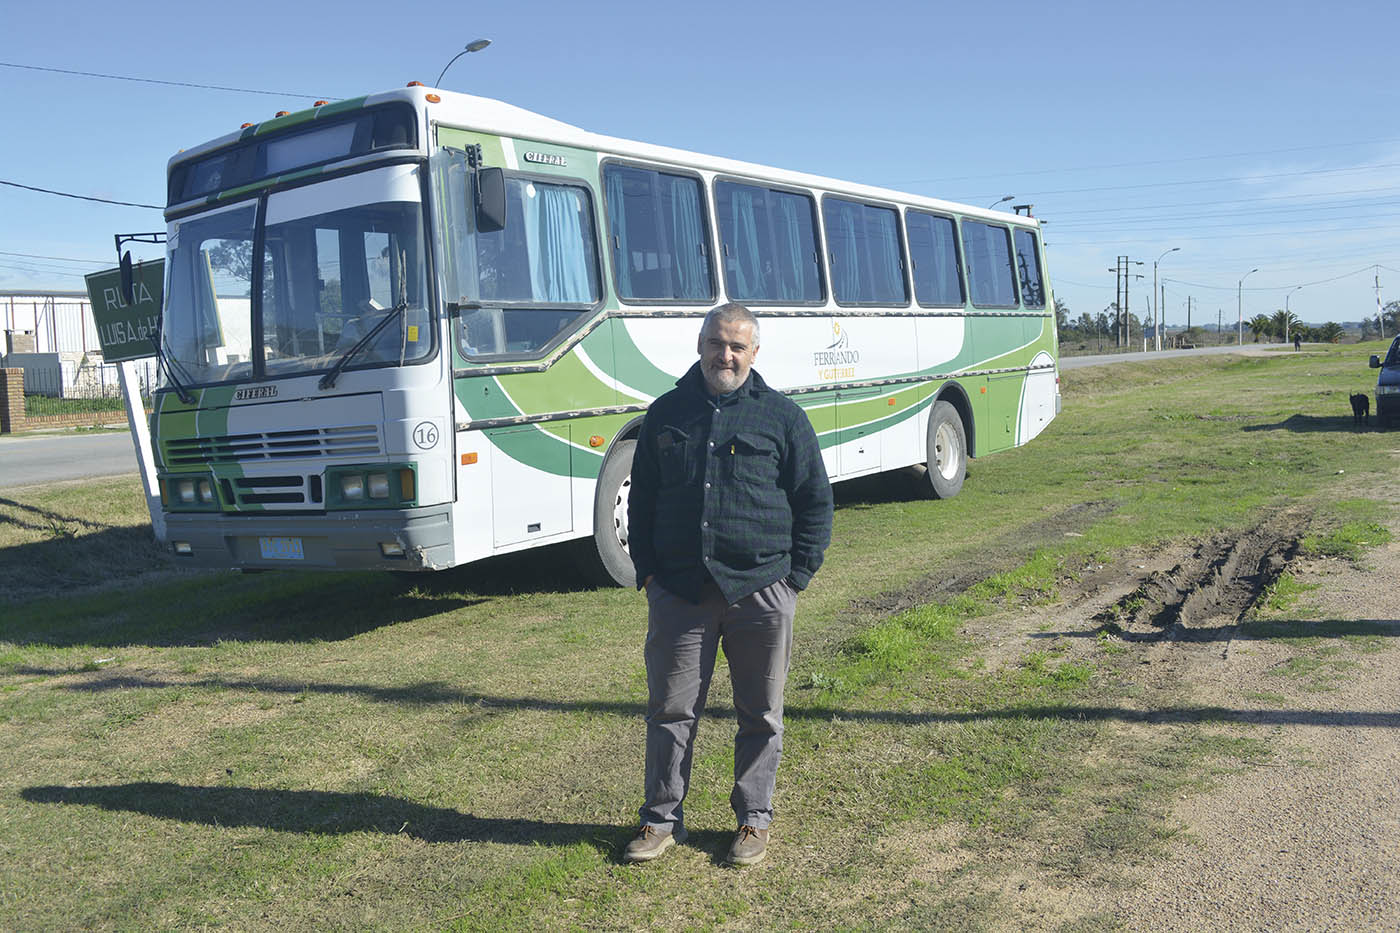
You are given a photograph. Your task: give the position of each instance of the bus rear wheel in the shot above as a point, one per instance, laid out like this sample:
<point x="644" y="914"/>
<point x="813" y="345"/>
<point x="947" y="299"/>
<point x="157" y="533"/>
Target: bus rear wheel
<point x="946" y="450"/>
<point x="610" y="535"/>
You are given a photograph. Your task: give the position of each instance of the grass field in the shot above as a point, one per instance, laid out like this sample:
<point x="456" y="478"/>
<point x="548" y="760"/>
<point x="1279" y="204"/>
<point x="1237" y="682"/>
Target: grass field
<point x="347" y="751"/>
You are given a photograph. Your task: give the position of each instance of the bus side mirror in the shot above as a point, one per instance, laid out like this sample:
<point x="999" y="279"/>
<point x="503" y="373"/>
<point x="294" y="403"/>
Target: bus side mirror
<point x="128" y="284"/>
<point x="490" y="200"/>
<point x="1375" y="361"/>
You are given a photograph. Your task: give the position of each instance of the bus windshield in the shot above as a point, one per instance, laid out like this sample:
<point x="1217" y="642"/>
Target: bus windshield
<point x="337" y="257"/>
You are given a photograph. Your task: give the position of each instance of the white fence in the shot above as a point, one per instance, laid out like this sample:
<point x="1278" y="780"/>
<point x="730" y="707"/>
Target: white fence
<point x="56" y="345"/>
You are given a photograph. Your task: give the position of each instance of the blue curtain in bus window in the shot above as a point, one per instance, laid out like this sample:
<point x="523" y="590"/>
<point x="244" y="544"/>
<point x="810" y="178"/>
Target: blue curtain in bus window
<point x="792" y="278"/>
<point x="882" y="237"/>
<point x="555" y="238"/>
<point x="934" y="253"/>
<point x="844" y="250"/>
<point x="989" y="270"/>
<point x="688" y="242"/>
<point x="747" y="280"/>
<point x="1028" y="270"/>
<point x="617" y="217"/>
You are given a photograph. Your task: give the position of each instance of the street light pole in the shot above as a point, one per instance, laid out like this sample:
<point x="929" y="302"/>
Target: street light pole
<point x="1157" y="298"/>
<point x="1287" y="314"/>
<point x="1009" y="197"/>
<point x="476" y="45"/>
<point x="1239" y="302"/>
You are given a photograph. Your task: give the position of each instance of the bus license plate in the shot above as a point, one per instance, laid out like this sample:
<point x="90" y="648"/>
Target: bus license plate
<point x="281" y="548"/>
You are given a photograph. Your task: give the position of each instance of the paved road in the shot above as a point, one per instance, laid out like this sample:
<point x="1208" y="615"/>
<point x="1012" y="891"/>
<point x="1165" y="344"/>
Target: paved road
<point x="47" y="458"/>
<point x="1249" y="349"/>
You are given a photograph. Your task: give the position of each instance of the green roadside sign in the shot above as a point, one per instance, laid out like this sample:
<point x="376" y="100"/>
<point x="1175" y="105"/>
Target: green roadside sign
<point x="126" y="328"/>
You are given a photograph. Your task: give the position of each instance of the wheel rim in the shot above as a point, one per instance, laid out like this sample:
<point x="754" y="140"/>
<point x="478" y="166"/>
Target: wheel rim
<point x="946" y="454"/>
<point x="620" y="512"/>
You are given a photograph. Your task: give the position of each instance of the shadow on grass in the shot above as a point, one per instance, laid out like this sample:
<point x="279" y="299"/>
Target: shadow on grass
<point x="1311" y="424"/>
<point x="72" y="552"/>
<point x="324" y="813"/>
<point x="225" y="607"/>
<point x="430" y="693"/>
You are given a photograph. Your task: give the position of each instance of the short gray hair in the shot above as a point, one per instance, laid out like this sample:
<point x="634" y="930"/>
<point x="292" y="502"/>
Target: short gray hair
<point x="729" y="313"/>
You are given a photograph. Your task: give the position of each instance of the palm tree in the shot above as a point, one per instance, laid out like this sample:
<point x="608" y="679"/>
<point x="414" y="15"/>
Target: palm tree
<point x="1331" y="332"/>
<point x="1283" y="322"/>
<point x="1261" y="325"/>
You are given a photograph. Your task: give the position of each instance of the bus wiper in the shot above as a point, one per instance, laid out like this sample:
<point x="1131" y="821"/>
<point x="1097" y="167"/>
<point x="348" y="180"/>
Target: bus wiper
<point x="394" y="313"/>
<point x="165" y="364"/>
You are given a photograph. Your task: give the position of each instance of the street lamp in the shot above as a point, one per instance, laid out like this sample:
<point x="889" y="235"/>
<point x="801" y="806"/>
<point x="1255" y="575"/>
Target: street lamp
<point x="1239" y="302"/>
<point x="476" y="45"/>
<point x="1009" y="197"/>
<point x="1288" y="315"/>
<point x="1157" y="298"/>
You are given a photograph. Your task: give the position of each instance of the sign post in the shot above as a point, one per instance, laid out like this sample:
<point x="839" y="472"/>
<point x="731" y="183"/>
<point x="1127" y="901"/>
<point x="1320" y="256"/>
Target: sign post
<point x="128" y="330"/>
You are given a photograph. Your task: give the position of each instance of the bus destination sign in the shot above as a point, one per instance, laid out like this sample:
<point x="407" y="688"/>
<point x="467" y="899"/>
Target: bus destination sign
<point x="125" y="328"/>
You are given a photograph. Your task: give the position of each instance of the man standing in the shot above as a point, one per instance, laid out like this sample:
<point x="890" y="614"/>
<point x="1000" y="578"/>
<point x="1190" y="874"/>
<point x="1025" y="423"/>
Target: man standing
<point x="729" y="516"/>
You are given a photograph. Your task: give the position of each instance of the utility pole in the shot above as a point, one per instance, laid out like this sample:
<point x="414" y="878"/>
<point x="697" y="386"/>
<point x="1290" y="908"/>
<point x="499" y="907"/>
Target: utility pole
<point x="1218" y="321"/>
<point x="1380" y="318"/>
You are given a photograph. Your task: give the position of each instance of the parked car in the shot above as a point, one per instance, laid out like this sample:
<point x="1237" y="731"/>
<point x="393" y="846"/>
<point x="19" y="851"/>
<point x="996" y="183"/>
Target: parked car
<point x="1388" y="385"/>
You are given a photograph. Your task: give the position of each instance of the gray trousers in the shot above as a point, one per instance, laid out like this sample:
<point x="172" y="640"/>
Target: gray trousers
<point x="682" y="641"/>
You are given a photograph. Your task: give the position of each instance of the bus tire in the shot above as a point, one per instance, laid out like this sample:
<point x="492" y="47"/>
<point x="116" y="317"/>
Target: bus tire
<point x="947" y="450"/>
<point x="610" y="515"/>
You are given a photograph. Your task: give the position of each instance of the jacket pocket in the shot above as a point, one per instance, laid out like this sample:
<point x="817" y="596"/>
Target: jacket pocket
<point x="673" y="461"/>
<point x="755" y="459"/>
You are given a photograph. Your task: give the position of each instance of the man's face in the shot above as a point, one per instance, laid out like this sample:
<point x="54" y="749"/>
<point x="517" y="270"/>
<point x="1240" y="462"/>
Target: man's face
<point x="727" y="350"/>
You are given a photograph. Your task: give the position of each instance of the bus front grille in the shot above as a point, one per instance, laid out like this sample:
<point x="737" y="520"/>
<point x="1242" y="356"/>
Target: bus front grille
<point x="350" y="440"/>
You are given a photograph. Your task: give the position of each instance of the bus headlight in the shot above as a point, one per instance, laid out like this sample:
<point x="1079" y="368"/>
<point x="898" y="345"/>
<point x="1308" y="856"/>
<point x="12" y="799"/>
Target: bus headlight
<point x="186" y="493"/>
<point x="371" y="486"/>
<point x="379" y="485"/>
<point x="352" y="487"/>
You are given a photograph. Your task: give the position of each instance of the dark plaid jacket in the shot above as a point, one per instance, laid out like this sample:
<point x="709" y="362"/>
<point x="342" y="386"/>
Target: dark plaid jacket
<point x="730" y="489"/>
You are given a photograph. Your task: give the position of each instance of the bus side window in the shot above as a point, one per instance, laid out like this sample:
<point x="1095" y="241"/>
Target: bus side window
<point x="1028" y="269"/>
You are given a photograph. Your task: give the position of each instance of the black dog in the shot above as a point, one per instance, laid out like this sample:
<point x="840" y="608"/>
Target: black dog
<point x="1360" y="408"/>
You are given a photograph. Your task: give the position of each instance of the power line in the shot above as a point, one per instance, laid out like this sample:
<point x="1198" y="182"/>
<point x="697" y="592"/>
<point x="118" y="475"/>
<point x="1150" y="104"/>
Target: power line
<point x="208" y="87"/>
<point x="80" y="197"/>
<point x="98" y="262"/>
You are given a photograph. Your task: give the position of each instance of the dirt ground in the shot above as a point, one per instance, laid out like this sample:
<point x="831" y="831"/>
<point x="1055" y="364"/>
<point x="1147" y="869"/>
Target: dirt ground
<point x="1309" y="838"/>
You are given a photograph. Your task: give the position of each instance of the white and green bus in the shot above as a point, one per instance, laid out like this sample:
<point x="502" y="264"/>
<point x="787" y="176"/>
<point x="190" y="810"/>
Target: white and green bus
<point x="419" y="328"/>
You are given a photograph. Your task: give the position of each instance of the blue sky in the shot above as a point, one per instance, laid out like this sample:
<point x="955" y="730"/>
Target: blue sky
<point x="1250" y="134"/>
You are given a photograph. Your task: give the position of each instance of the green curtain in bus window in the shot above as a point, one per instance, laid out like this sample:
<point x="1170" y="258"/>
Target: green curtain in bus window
<point x="555" y="238"/>
<point x="792" y="280"/>
<point x="617" y="214"/>
<point x="687" y="242"/>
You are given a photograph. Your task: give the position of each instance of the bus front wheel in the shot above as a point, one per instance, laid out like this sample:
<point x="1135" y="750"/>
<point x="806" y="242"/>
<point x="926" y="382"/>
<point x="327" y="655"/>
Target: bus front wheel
<point x="610" y="536"/>
<point x="947" y="450"/>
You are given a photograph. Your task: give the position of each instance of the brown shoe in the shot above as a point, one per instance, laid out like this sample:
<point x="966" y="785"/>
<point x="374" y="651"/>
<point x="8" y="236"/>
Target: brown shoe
<point x="749" y="846"/>
<point x="650" y="843"/>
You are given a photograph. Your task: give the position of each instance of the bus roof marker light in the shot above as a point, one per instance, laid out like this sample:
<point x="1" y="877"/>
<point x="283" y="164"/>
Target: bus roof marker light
<point x="320" y="103"/>
<point x="283" y="113"/>
<point x="432" y="98"/>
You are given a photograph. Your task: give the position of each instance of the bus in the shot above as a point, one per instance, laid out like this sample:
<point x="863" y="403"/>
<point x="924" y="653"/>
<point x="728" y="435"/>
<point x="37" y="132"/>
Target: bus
<point x="419" y="328"/>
